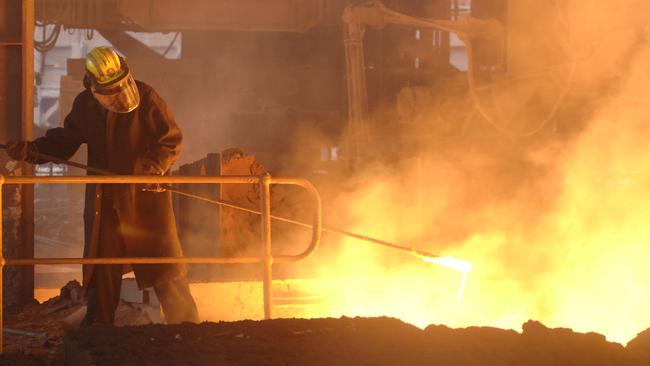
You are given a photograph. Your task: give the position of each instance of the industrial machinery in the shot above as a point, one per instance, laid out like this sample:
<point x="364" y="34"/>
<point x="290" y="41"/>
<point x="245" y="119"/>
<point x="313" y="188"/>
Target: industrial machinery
<point x="374" y="14"/>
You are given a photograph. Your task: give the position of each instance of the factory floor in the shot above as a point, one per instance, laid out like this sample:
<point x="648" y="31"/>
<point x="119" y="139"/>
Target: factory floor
<point x="332" y="341"/>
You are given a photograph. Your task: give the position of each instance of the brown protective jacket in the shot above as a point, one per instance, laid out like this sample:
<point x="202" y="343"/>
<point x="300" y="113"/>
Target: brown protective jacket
<point x="124" y="144"/>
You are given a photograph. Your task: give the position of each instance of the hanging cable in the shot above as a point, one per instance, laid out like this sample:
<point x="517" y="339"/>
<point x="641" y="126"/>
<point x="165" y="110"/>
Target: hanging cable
<point x="569" y="79"/>
<point x="50" y="41"/>
<point x="53" y="15"/>
<point x="481" y="108"/>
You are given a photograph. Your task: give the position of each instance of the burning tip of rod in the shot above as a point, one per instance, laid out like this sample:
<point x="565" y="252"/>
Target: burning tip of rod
<point x="449" y="262"/>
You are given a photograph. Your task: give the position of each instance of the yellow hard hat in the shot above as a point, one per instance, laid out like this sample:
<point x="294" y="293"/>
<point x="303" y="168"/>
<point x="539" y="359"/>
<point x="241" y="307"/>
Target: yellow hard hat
<point x="104" y="64"/>
<point x="111" y="81"/>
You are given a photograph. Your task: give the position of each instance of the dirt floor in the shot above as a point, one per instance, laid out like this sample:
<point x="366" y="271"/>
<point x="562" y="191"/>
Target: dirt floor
<point x="344" y="341"/>
<point x="45" y="346"/>
<point x="46" y="340"/>
<point x="35" y="336"/>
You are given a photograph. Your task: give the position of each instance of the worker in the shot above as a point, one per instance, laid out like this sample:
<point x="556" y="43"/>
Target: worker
<point x="129" y="130"/>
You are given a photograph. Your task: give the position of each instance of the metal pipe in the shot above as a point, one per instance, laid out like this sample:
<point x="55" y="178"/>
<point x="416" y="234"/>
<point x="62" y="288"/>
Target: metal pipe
<point x="28" y="69"/>
<point x="132" y="179"/>
<point x="2" y="267"/>
<point x="24" y="333"/>
<point x="317" y="227"/>
<point x="265" y="206"/>
<point x="27" y="133"/>
<point x="355" y="67"/>
<point x="56" y="160"/>
<point x="129" y="260"/>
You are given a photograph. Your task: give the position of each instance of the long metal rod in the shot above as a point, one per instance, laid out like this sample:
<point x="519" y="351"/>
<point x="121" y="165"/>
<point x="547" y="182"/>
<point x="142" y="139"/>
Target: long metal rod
<point x="365" y="238"/>
<point x="56" y="160"/>
<point x="130" y="260"/>
<point x="265" y="206"/>
<point x="27" y="133"/>
<point x="132" y="179"/>
<point x="24" y="333"/>
<point x="2" y="267"/>
<point x="28" y="69"/>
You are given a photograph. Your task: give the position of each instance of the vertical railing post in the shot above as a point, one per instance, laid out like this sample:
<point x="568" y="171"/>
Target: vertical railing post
<point x="265" y="206"/>
<point x="2" y="267"/>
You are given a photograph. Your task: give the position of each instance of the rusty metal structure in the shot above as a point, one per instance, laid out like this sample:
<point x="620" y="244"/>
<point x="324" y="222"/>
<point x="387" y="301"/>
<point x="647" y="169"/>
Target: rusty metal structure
<point x="374" y="14"/>
<point x="310" y="85"/>
<point x="163" y="15"/>
<point x="17" y="114"/>
<point x="266" y="260"/>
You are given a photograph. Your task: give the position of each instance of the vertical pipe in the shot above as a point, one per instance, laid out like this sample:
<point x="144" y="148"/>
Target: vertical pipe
<point x="2" y="267"/>
<point x="28" y="70"/>
<point x="265" y="205"/>
<point x="357" y="88"/>
<point x="27" y="191"/>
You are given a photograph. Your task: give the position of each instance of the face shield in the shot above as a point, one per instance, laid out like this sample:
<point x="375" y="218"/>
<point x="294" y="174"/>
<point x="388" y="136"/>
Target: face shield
<point x="119" y="96"/>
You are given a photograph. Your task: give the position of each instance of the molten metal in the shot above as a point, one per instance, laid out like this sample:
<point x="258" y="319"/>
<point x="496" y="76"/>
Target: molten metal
<point x="457" y="264"/>
<point x="449" y="262"/>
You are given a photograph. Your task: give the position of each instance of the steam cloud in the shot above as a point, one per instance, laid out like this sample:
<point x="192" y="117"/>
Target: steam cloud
<point x="555" y="224"/>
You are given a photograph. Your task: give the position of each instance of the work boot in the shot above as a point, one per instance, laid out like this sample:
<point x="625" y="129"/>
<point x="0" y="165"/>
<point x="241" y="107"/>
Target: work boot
<point x="91" y="309"/>
<point x="177" y="302"/>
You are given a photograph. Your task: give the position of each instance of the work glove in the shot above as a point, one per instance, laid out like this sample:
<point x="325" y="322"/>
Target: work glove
<point x="152" y="187"/>
<point x="22" y="151"/>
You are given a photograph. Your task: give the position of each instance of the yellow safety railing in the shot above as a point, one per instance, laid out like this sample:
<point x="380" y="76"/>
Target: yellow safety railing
<point x="267" y="259"/>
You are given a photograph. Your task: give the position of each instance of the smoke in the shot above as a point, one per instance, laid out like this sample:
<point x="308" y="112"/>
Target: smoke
<point x="601" y="212"/>
<point x="555" y="224"/>
<point x="542" y="188"/>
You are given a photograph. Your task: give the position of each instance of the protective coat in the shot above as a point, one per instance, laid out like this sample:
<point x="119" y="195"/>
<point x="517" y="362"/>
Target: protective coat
<point x="125" y="144"/>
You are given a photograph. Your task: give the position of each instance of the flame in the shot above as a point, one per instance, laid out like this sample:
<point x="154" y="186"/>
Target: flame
<point x="456" y="264"/>
<point x="449" y="262"/>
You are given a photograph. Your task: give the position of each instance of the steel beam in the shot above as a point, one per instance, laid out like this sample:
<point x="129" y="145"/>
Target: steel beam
<point x="165" y="15"/>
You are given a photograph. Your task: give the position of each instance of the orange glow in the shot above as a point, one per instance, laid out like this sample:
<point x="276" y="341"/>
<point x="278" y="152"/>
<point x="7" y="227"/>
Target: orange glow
<point x="459" y="265"/>
<point x="449" y="262"/>
<point x="553" y="227"/>
<point x="568" y="248"/>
